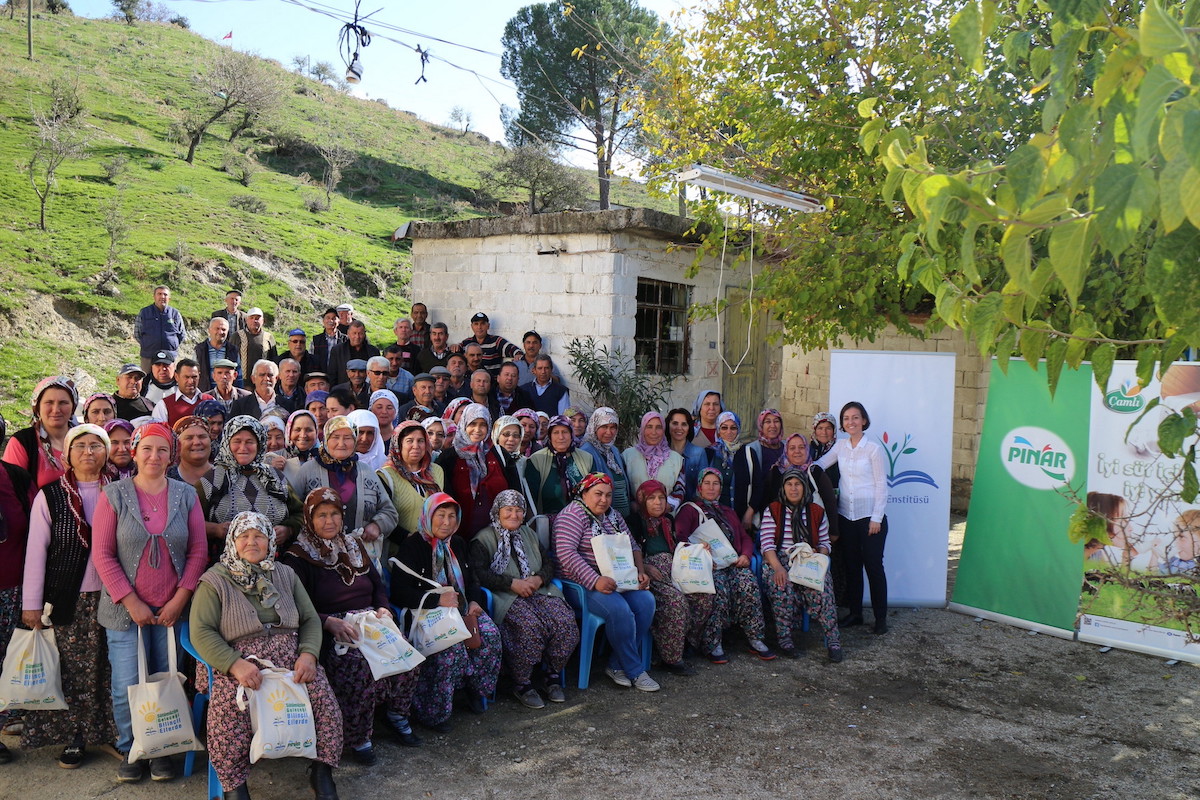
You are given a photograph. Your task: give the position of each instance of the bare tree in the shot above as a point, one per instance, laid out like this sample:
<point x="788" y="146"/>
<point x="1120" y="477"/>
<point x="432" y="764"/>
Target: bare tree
<point x="59" y="136"/>
<point x="236" y="83"/>
<point x="116" y="225"/>
<point x="338" y="154"/>
<point x="460" y="118"/>
<point x="532" y="169"/>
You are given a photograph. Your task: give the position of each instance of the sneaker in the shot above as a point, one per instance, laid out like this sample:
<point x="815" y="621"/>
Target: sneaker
<point x="555" y="693"/>
<point x="644" y="683"/>
<point x="618" y="677"/>
<point x="717" y="656"/>
<point x="835" y="654"/>
<point x="680" y="667"/>
<point x="71" y="757"/>
<point x="365" y="756"/>
<point x="760" y="649"/>
<point x="529" y="697"/>
<point x="161" y="769"/>
<point x="131" y="773"/>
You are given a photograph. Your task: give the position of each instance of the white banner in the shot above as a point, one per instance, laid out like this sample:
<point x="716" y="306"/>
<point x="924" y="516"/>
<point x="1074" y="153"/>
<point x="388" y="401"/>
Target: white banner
<point x="1154" y="536"/>
<point x="910" y="400"/>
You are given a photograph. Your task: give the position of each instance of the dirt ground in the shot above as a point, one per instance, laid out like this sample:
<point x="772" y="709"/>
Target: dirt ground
<point x="941" y="707"/>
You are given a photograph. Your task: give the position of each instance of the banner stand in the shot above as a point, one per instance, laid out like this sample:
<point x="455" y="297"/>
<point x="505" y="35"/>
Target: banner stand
<point x="1016" y="622"/>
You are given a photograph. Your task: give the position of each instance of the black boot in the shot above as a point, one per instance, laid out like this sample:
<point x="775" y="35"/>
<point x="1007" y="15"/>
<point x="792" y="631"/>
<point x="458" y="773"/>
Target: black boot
<point x="240" y="793"/>
<point x="320" y="778"/>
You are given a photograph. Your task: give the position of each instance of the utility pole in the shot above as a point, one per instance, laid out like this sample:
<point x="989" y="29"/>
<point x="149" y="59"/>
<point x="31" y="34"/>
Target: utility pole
<point x="29" y="27"/>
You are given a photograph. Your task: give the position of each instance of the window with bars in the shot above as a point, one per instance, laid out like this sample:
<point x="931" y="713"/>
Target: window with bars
<point x="662" y="326"/>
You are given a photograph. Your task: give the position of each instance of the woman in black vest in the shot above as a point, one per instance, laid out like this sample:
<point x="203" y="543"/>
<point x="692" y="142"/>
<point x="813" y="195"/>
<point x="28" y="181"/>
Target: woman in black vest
<point x="59" y="571"/>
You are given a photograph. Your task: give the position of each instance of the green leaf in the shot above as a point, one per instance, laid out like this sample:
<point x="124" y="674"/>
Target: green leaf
<point x="985" y="318"/>
<point x="1171" y="433"/>
<point x="1082" y="11"/>
<point x="1170" y="185"/>
<point x="1086" y="526"/>
<point x="1076" y="128"/>
<point x="967" y="253"/>
<point x="1191" y="487"/>
<point x="1189" y="195"/>
<point x="1056" y="354"/>
<point x="866" y="107"/>
<point x="1173" y="275"/>
<point x="1102" y="364"/>
<point x="1076" y="349"/>
<point x="1014" y="250"/>
<point x="1004" y="347"/>
<point x="1025" y="170"/>
<point x="1070" y="248"/>
<point x="1191" y="137"/>
<point x="908" y="451"/>
<point x="933" y="198"/>
<point x="1016" y="48"/>
<point x="1123" y="197"/>
<point x="1147" y="356"/>
<point x="966" y="31"/>
<point x="1156" y="87"/>
<point x="868" y="135"/>
<point x="1033" y="344"/>
<point x="1159" y="33"/>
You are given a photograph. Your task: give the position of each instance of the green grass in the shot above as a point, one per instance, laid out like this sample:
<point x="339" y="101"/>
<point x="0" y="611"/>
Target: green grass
<point x="137" y="81"/>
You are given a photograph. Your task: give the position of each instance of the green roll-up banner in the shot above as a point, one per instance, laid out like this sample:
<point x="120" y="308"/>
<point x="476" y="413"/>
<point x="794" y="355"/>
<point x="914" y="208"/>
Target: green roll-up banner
<point x="1017" y="564"/>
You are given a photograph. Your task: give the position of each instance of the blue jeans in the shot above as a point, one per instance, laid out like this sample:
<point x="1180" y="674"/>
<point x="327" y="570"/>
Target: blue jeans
<point x="627" y="617"/>
<point x="123" y="656"/>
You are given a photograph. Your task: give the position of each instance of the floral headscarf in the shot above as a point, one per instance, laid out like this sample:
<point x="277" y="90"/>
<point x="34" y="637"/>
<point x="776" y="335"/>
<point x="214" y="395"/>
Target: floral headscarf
<point x="292" y="449"/>
<point x="83" y="411"/>
<point x="210" y="408"/>
<point x="454" y="405"/>
<point x="725" y="451"/>
<point x="386" y="394"/>
<point x="509" y="544"/>
<point x="771" y="444"/>
<point x="252" y="579"/>
<point x="258" y="468"/>
<point x="159" y="429"/>
<point x="817" y="449"/>
<point x="191" y="421"/>
<point x="603" y="416"/>
<point x="783" y="465"/>
<point x="712" y="508"/>
<point x="116" y="473"/>
<point x="506" y="421"/>
<point x="376" y="457"/>
<point x="324" y="458"/>
<point x="53" y="382"/>
<point x="446" y="569"/>
<point x="342" y="554"/>
<point x="655" y="455"/>
<point x="525" y="413"/>
<point x="798" y="513"/>
<point x="474" y="453"/>
<point x="422" y="478"/>
<point x="70" y="484"/>
<point x="655" y="526"/>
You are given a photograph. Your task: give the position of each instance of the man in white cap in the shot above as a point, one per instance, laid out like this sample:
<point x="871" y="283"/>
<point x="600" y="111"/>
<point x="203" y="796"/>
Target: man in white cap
<point x="345" y="314"/>
<point x="253" y="344"/>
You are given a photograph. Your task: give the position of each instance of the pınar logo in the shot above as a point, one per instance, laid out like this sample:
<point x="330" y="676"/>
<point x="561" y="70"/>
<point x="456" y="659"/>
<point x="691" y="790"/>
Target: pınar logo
<point x="1127" y="399"/>
<point x="1037" y="458"/>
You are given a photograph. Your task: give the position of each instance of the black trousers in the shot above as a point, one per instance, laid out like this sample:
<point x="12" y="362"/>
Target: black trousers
<point x="863" y="552"/>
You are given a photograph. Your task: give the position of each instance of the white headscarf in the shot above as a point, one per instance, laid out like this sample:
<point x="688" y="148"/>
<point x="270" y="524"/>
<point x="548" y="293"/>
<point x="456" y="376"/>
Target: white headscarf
<point x="376" y="457"/>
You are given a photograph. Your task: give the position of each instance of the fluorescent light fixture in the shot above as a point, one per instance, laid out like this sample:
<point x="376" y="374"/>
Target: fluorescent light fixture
<point x="710" y="178"/>
<point x="354" y="71"/>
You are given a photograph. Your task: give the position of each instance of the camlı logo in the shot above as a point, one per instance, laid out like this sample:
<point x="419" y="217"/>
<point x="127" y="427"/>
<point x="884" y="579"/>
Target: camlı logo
<point x="1037" y="458"/>
<point x="1126" y="399"/>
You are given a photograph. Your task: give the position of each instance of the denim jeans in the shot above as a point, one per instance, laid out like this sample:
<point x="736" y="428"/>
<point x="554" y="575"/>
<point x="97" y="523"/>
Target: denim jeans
<point x="123" y="656"/>
<point x="627" y="617"/>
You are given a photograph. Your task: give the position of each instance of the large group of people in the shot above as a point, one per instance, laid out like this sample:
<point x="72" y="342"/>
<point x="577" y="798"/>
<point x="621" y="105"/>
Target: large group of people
<point x="345" y="478"/>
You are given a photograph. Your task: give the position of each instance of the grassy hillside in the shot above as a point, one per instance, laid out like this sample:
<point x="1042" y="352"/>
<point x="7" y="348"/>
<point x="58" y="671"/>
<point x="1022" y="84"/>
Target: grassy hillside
<point x="65" y="309"/>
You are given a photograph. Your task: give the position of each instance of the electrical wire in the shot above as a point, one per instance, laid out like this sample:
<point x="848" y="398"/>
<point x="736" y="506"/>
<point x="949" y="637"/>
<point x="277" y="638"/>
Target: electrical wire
<point x="733" y="368"/>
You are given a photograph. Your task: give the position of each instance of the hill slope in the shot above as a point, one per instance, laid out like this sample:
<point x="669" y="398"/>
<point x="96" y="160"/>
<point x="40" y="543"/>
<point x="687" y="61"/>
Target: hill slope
<point x="64" y="309"/>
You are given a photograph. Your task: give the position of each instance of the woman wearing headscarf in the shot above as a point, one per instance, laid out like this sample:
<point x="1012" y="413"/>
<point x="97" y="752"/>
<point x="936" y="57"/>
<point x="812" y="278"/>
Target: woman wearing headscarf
<point x="59" y="570"/>
<point x="16" y="493"/>
<point x="454" y="409"/>
<point x="371" y="449"/>
<point x="824" y="434"/>
<point x="241" y="480"/>
<point x="726" y="451"/>
<point x="340" y="579"/>
<point x="249" y="606"/>
<point x="38" y="449"/>
<point x="709" y="406"/>
<point x="368" y="511"/>
<point x="795" y="457"/>
<point x="474" y="473"/>
<point x="678" y="618"/>
<point x="794" y="519"/>
<point x="598" y="442"/>
<point x="737" y="599"/>
<point x="410" y="475"/>
<point x="862" y="520"/>
<point x="750" y="468"/>
<point x="578" y="420"/>
<point x="653" y="458"/>
<point x="435" y="430"/>
<point x="537" y="627"/>
<point x="506" y="436"/>
<point x="384" y="405"/>
<point x="681" y="428"/>
<point x="553" y="472"/>
<point x="195" y="447"/>
<point x="628" y="614"/>
<point x="275" y="424"/>
<point x="120" y="454"/>
<point x="149" y="549"/>
<point x="303" y="434"/>
<point x="216" y="413"/>
<point x="436" y="554"/>
<point x="99" y="409"/>
<point x="543" y="436"/>
<point x="529" y="430"/>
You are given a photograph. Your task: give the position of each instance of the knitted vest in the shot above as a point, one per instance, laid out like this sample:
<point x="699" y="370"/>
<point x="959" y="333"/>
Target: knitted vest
<point x="547" y="402"/>
<point x="177" y="407"/>
<point x="66" y="558"/>
<point x="815" y="515"/>
<point x="239" y="619"/>
<point x="132" y="538"/>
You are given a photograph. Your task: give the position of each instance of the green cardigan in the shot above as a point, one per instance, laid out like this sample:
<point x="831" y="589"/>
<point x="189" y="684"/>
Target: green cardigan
<point x="483" y="548"/>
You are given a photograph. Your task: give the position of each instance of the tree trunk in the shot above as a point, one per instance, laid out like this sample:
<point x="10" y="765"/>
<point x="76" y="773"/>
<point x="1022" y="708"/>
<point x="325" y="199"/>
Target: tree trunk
<point x="42" y="219"/>
<point x="193" y="144"/>
<point x="602" y="168"/>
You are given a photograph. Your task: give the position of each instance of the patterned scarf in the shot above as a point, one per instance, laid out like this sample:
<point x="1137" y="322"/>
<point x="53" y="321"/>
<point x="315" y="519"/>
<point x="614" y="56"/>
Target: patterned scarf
<point x="453" y="406"/>
<point x="70" y="483"/>
<point x="654" y="526"/>
<point x="770" y="444"/>
<point x="798" y="514"/>
<point x="817" y="449"/>
<point x="508" y="543"/>
<point x="252" y="579"/>
<point x="603" y="416"/>
<point x="527" y="446"/>
<point x="783" y="464"/>
<point x="445" y="563"/>
<point x="564" y="462"/>
<point x="87" y="404"/>
<point x="333" y="465"/>
<point x="507" y="421"/>
<point x="258" y="469"/>
<point x="655" y="455"/>
<point x="713" y="508"/>
<point x="342" y="554"/>
<point x="474" y="453"/>
<point x="114" y="472"/>
<point x="422" y="477"/>
<point x="600" y="525"/>
<point x="292" y="450"/>
<point x="53" y="382"/>
<point x="725" y="451"/>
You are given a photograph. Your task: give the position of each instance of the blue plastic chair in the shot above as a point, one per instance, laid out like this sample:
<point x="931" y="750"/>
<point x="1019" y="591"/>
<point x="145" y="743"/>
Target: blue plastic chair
<point x="589" y="626"/>
<point x="199" y="708"/>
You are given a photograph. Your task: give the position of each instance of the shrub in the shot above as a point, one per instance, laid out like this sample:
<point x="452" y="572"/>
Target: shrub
<point x="115" y="167"/>
<point x="316" y="203"/>
<point x="180" y="21"/>
<point x="156" y="164"/>
<point x="183" y="188"/>
<point x="248" y="202"/>
<point x="613" y="379"/>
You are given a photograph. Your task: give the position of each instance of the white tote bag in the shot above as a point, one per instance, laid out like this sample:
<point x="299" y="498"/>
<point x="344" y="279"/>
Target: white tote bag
<point x="434" y="629"/>
<point x="692" y="569"/>
<point x="31" y="678"/>
<point x="158" y="708"/>
<point x="385" y="649"/>
<point x="807" y="571"/>
<point x="614" y="559"/>
<point x="710" y="533"/>
<point x="281" y="715"/>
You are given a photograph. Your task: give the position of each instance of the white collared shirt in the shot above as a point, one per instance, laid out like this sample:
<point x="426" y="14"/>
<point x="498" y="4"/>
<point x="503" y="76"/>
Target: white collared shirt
<point x="863" y="489"/>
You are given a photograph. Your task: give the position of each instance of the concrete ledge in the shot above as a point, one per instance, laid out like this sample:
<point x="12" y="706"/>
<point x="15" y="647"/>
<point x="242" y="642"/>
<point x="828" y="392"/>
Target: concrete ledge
<point x="644" y="221"/>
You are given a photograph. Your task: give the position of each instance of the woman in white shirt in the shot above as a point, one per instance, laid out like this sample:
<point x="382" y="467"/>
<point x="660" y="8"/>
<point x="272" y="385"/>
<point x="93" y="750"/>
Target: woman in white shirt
<point x="862" y="497"/>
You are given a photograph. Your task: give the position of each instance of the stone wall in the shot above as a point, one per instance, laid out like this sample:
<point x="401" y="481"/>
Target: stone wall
<point x="803" y="390"/>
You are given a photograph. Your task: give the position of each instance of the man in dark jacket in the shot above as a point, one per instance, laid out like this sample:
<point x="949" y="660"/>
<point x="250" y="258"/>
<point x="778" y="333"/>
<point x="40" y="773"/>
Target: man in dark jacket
<point x="131" y="404"/>
<point x="159" y="326"/>
<point x="213" y="349"/>
<point x="324" y="341"/>
<point x="231" y="313"/>
<point x="356" y="347"/>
